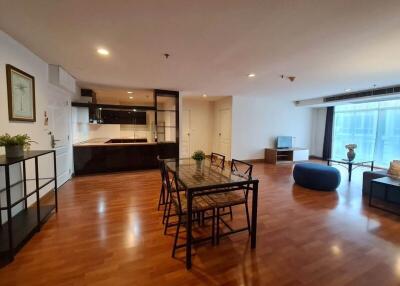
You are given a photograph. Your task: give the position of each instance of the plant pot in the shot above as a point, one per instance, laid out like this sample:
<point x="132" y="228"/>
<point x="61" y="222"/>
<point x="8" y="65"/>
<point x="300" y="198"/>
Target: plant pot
<point x="351" y="154"/>
<point x="14" y="151"/>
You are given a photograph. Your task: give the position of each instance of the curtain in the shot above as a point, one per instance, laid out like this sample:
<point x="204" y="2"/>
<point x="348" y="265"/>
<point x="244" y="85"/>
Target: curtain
<point x="327" y="148"/>
<point x="373" y="126"/>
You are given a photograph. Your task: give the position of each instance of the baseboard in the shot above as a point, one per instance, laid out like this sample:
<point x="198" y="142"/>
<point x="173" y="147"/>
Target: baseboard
<point x="316" y="157"/>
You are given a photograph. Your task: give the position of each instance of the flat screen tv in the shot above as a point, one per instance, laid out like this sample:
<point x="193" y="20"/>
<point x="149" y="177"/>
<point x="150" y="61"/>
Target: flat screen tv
<point x="284" y="142"/>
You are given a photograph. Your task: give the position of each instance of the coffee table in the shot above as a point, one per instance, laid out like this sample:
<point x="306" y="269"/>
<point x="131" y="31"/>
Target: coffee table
<point x="350" y="164"/>
<point x="388" y="183"/>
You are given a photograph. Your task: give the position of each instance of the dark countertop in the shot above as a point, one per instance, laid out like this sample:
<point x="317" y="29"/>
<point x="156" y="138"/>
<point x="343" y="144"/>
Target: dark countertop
<point x="103" y="142"/>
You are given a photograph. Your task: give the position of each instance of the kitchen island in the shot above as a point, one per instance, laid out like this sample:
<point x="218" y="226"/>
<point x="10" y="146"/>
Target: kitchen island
<point x="120" y="154"/>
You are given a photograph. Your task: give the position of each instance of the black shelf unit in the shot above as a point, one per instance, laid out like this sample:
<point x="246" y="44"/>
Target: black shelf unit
<point x="22" y="226"/>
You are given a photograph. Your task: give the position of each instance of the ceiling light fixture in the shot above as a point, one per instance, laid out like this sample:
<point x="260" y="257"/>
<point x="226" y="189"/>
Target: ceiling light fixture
<point x="131" y="97"/>
<point x="130" y="92"/>
<point x="103" y="52"/>
<point x="204" y="95"/>
<point x="251" y="75"/>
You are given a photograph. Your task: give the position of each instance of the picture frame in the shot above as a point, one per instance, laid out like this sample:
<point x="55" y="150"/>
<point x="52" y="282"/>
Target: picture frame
<point x="20" y="95"/>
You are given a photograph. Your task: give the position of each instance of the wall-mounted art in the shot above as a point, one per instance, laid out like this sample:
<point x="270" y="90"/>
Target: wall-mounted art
<point x="21" y="95"/>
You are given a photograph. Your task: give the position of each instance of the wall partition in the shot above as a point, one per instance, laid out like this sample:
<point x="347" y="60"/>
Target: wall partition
<point x="373" y="126"/>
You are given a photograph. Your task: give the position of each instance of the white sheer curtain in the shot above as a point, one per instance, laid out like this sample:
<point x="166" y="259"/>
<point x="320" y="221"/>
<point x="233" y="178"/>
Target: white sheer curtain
<point x="374" y="127"/>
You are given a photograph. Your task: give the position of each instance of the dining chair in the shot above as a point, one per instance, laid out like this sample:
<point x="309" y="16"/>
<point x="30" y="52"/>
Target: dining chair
<point x="233" y="198"/>
<point x="178" y="201"/>
<point x="162" y="197"/>
<point x="217" y="160"/>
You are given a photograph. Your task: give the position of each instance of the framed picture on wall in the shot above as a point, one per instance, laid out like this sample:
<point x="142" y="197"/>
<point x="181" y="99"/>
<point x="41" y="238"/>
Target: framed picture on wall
<point x="21" y="95"/>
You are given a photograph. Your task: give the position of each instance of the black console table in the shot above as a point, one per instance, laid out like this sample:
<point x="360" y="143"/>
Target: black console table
<point x="21" y="227"/>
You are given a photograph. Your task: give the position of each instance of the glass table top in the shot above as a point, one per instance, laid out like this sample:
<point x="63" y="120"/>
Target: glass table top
<point x="193" y="174"/>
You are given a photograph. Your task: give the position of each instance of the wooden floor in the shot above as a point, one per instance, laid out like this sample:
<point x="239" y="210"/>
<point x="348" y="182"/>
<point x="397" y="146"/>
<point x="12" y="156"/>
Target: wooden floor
<point x="108" y="232"/>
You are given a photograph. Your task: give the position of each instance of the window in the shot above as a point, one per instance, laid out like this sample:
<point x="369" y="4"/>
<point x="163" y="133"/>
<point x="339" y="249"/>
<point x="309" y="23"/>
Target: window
<point x="374" y="127"/>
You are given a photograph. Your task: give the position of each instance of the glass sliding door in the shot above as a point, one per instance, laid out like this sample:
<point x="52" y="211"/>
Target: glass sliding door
<point x="374" y="127"/>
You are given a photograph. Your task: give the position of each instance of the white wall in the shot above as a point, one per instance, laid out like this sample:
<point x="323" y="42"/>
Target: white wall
<point x="318" y="131"/>
<point x="12" y="52"/>
<point x="257" y="120"/>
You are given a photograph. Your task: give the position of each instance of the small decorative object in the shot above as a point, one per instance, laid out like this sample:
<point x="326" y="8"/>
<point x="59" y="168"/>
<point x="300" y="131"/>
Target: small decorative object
<point x="394" y="169"/>
<point x="351" y="154"/>
<point x="199" y="156"/>
<point x="21" y="95"/>
<point x="15" y="145"/>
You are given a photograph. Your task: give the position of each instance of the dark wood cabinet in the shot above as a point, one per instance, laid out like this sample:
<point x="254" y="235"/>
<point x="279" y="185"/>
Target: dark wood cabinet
<point x="107" y="116"/>
<point x="114" y="158"/>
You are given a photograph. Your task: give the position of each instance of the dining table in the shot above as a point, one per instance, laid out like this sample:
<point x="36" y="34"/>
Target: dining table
<point x="199" y="178"/>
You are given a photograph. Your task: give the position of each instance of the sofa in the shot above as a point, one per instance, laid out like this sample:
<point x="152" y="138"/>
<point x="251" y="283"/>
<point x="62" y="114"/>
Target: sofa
<point x="379" y="190"/>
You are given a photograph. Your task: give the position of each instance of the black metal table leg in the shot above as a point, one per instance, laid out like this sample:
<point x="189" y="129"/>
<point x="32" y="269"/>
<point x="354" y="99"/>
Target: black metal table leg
<point x="9" y="215"/>
<point x="189" y="230"/>
<point x="350" y="171"/>
<point x="372" y="166"/>
<point x="37" y="192"/>
<point x="55" y="179"/>
<point x="24" y="183"/>
<point x="254" y="215"/>
<point x="370" y="193"/>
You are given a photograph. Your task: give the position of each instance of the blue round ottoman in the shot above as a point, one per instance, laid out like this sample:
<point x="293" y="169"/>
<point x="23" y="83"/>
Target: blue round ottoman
<point x="316" y="176"/>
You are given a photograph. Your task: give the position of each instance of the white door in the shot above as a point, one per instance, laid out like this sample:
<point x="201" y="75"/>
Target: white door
<point x="59" y="133"/>
<point x="224" y="132"/>
<point x="185" y="142"/>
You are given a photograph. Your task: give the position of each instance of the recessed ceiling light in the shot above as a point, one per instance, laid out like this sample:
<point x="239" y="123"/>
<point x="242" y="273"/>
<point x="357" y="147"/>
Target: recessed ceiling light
<point x="130" y="92"/>
<point x="131" y="97"/>
<point x="204" y="95"/>
<point x="251" y="75"/>
<point x="103" y="52"/>
<point x="347" y="89"/>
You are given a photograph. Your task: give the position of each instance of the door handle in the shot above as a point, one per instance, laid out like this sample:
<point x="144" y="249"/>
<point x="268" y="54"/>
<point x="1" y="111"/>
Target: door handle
<point x="53" y="141"/>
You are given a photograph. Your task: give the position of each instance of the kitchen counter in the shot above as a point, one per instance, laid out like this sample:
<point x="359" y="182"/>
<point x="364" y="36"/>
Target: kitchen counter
<point x="103" y="155"/>
<point x="106" y="142"/>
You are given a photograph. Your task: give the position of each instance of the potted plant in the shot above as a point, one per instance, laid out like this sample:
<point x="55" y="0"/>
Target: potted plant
<point x="15" y="145"/>
<point x="198" y="156"/>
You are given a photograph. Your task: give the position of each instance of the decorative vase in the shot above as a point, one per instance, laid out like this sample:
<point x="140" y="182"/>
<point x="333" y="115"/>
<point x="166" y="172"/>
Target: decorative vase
<point x="351" y="154"/>
<point x="14" y="151"/>
<point x="199" y="163"/>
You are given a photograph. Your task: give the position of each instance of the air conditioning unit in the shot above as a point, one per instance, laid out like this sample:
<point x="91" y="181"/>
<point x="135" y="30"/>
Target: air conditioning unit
<point x="364" y="94"/>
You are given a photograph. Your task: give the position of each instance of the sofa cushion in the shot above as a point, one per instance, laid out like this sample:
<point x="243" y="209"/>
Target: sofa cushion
<point x="394" y="169"/>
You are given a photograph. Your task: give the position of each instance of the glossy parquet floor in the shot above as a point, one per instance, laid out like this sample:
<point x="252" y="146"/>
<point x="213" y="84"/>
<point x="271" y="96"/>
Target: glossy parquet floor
<point x="108" y="232"/>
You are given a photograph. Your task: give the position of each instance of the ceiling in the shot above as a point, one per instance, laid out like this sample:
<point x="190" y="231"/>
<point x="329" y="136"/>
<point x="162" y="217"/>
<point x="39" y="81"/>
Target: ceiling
<point x="329" y="46"/>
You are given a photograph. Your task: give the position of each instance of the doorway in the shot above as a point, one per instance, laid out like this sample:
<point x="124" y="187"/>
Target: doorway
<point x="206" y="125"/>
<point x="59" y="118"/>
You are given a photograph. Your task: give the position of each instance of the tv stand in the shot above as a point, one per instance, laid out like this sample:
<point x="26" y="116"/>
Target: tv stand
<point x="285" y="155"/>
